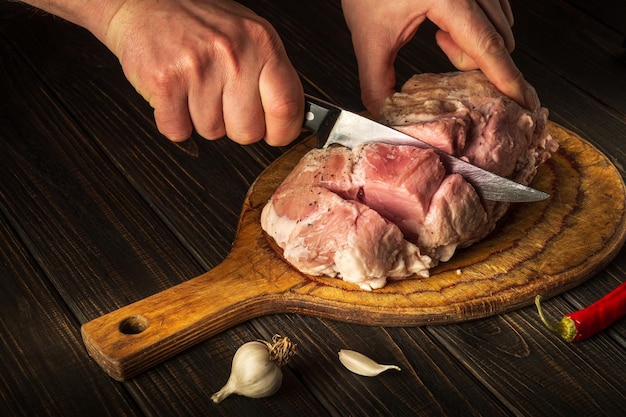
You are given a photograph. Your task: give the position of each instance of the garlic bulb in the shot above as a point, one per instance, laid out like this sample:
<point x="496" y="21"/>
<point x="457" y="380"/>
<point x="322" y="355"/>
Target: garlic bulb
<point x="255" y="371"/>
<point x="361" y="364"/>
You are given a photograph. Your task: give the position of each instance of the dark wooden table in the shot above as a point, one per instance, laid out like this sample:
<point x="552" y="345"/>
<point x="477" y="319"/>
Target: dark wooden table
<point x="97" y="210"/>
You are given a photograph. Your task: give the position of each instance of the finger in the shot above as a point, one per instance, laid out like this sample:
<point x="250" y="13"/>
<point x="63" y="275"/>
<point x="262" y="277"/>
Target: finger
<point x="455" y="54"/>
<point x="205" y="107"/>
<point x="514" y="86"/>
<point x="207" y="116"/>
<point x="266" y="100"/>
<point x="481" y="42"/>
<point x="377" y="81"/>
<point x="377" y="77"/>
<point x="205" y="97"/>
<point x="283" y="102"/>
<point x="243" y="112"/>
<point x="508" y="11"/>
<point x="171" y="114"/>
<point x="494" y="60"/>
<point x="379" y="31"/>
<point x="501" y="19"/>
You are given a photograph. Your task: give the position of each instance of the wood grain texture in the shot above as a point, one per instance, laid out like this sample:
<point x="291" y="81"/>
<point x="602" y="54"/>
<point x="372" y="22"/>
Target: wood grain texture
<point x="511" y="359"/>
<point x="541" y="248"/>
<point x="37" y="338"/>
<point x="111" y="213"/>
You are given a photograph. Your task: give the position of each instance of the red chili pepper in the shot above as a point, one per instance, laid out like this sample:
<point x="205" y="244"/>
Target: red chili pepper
<point x="591" y="320"/>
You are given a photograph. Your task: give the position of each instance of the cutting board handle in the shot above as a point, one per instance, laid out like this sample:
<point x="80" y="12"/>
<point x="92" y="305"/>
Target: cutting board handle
<point x="249" y="283"/>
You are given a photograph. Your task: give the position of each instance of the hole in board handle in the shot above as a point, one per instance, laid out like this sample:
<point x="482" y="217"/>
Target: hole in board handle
<point x="133" y="324"/>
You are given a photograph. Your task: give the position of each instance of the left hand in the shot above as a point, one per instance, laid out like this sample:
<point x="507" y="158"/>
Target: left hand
<point x="472" y="33"/>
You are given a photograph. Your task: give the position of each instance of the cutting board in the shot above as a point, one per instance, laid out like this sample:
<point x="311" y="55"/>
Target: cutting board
<point x="538" y="248"/>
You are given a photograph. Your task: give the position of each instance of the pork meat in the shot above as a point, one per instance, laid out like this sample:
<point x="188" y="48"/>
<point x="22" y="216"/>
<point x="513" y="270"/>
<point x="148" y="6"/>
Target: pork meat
<point x="322" y="233"/>
<point x="380" y="211"/>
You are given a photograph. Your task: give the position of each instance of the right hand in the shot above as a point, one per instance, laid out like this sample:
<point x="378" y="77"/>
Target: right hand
<point x="214" y="66"/>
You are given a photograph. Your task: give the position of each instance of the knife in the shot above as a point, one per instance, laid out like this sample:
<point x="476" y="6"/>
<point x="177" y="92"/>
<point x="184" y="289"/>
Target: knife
<point x="334" y="125"/>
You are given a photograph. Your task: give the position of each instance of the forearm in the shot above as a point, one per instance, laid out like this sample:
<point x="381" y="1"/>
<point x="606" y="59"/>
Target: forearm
<point x="93" y="15"/>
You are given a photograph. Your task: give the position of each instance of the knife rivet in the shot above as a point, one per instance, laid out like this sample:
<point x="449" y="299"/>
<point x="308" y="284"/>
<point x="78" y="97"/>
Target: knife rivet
<point x="309" y="116"/>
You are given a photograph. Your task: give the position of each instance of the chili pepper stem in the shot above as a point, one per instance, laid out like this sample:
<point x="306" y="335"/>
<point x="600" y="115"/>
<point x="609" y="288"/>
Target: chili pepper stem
<point x="566" y="327"/>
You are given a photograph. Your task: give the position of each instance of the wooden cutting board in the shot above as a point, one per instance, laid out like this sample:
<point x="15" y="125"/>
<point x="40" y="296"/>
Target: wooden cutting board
<point x="538" y="248"/>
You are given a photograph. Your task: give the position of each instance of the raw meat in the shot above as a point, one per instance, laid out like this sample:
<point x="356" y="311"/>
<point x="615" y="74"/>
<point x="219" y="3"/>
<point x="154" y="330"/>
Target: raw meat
<point x="381" y="212"/>
<point x="464" y="114"/>
<point x="323" y="234"/>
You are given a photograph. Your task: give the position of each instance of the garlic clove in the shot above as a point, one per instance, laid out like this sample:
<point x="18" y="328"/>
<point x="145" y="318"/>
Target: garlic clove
<point x="361" y="364"/>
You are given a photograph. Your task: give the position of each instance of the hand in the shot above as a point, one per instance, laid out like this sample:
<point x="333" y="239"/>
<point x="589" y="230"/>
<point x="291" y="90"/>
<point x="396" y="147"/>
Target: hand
<point x="210" y="65"/>
<point x="472" y="33"/>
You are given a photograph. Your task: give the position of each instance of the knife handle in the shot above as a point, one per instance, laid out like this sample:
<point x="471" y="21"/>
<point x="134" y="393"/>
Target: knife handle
<point x="319" y="116"/>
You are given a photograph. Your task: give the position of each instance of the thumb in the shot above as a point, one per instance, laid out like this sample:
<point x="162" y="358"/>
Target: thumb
<point x="377" y="75"/>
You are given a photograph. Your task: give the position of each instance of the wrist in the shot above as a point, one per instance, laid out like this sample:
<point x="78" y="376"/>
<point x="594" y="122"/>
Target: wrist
<point x="93" y="15"/>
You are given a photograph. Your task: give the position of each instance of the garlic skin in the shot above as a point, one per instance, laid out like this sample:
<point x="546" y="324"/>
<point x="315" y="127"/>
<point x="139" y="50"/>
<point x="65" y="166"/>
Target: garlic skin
<point x="361" y="364"/>
<point x="255" y="370"/>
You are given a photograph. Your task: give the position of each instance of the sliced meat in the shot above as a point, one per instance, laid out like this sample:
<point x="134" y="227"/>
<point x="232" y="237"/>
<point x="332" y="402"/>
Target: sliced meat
<point x="464" y="114"/>
<point x="382" y="212"/>
<point x="360" y="213"/>
<point x="455" y="218"/>
<point x="323" y="234"/>
<point x="398" y="182"/>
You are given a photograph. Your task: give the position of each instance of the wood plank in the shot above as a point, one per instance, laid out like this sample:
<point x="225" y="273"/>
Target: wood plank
<point x="587" y="110"/>
<point x="53" y="187"/>
<point x="577" y="48"/>
<point x="511" y="356"/>
<point x="588" y="115"/>
<point x="575" y="383"/>
<point x="610" y="12"/>
<point x="44" y="369"/>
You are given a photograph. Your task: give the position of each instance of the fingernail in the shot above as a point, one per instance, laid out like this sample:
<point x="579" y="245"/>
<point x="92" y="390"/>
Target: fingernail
<point x="530" y="99"/>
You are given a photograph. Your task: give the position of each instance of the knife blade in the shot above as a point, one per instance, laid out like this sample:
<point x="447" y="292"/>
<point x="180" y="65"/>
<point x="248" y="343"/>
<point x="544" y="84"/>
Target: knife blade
<point x="334" y="125"/>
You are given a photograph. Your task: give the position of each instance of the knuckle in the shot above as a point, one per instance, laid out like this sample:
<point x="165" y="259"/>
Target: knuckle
<point x="261" y="30"/>
<point x="171" y="123"/>
<point x="230" y="45"/>
<point x="492" y="43"/>
<point x="282" y="109"/>
<point x="164" y="77"/>
<point x="187" y="64"/>
<point x="225" y="48"/>
<point x="163" y="86"/>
